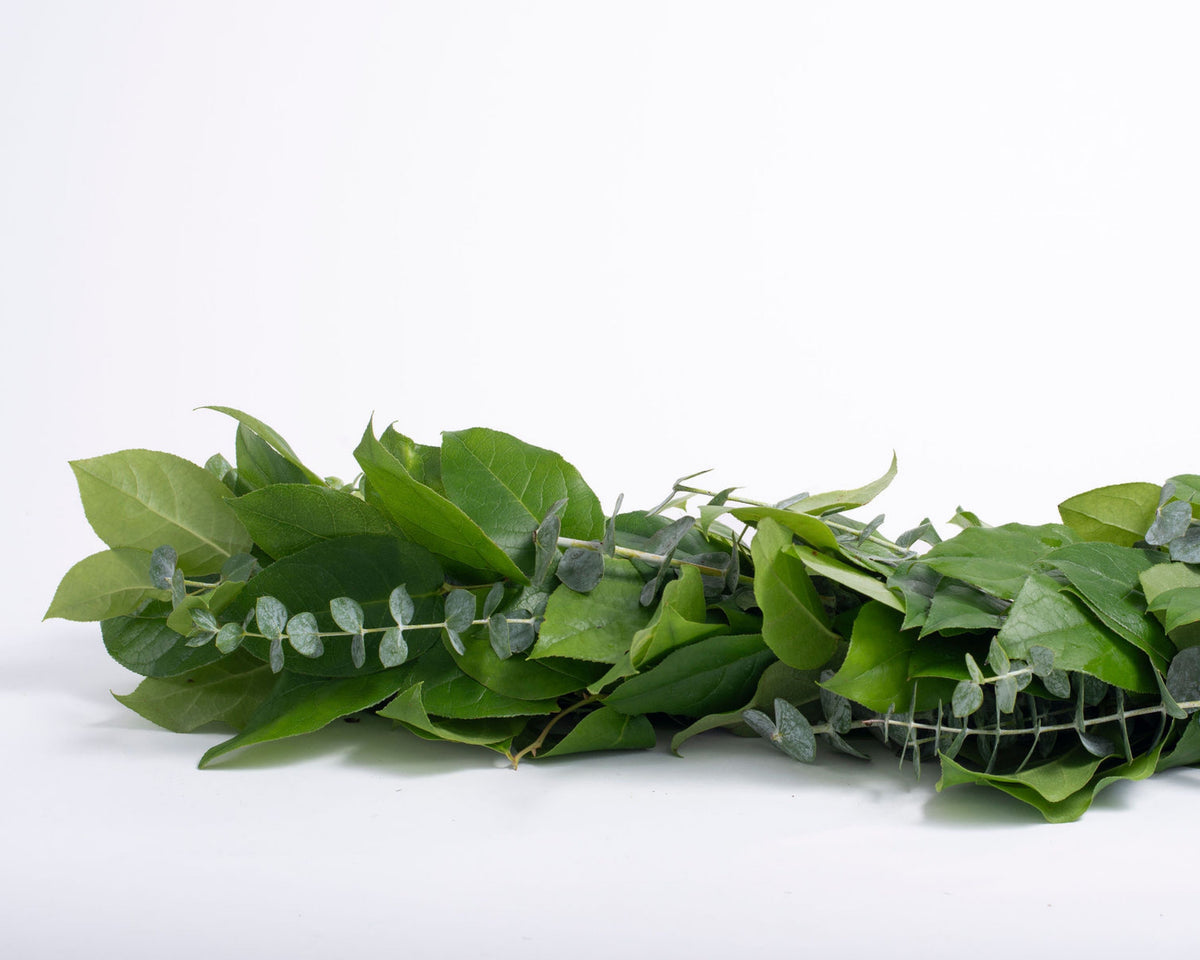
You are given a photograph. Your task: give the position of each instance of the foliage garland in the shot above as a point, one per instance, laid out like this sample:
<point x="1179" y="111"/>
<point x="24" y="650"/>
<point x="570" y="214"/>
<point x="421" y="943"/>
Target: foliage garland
<point x="477" y="592"/>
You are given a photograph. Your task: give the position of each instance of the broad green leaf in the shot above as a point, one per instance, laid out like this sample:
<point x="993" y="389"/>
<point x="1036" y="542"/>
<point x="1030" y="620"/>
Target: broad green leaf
<point x="1178" y="607"/>
<point x="366" y="568"/>
<point x="301" y="704"/>
<point x="508" y="486"/>
<point x="423" y="462"/>
<point x="449" y="693"/>
<point x="812" y="530"/>
<point x="495" y="733"/>
<point x="950" y="657"/>
<point x="604" y="729"/>
<point x="823" y="565"/>
<point x="1186" y="750"/>
<point x="287" y="517"/>
<point x="794" y="624"/>
<point x="597" y="626"/>
<point x="875" y="672"/>
<point x="229" y="691"/>
<point x="685" y="597"/>
<point x="709" y="676"/>
<point x="778" y="680"/>
<point x="1054" y="780"/>
<point x="272" y="437"/>
<point x="996" y="559"/>
<point x="1045" y="615"/>
<point x="846" y="499"/>
<point x="107" y="584"/>
<point x="144" y="499"/>
<point x="428" y="518"/>
<point x="519" y="677"/>
<point x="145" y="644"/>
<point x="957" y="606"/>
<point x="1107" y="578"/>
<point x="1120" y="514"/>
<point x="258" y="465"/>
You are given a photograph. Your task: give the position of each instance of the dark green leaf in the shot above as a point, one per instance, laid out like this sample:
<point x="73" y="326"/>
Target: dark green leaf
<point x="422" y="461"/>
<point x="604" y="729"/>
<point x="229" y="691"/>
<point x="495" y="733"/>
<point x="957" y="606"/>
<point x="996" y="559"/>
<point x="287" y="517"/>
<point x="870" y="586"/>
<point x="145" y="644"/>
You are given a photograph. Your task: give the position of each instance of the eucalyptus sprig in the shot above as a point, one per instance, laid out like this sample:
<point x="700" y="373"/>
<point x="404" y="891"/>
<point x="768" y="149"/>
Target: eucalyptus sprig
<point x="476" y="591"/>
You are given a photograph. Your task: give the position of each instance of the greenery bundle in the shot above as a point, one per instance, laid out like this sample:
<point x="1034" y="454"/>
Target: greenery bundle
<point x="477" y="592"/>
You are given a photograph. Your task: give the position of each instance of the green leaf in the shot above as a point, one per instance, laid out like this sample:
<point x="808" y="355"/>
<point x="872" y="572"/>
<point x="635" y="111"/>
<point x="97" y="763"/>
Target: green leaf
<point x="366" y="568"/>
<point x="1107" y="578"/>
<point x="677" y="620"/>
<point x="996" y="559"/>
<point x="1178" y="607"/>
<point x="794" y="623"/>
<point x="260" y="430"/>
<point x="401" y="607"/>
<point x="1054" y="780"/>
<point x="271" y="617"/>
<point x="460" y="610"/>
<point x="143" y="499"/>
<point x="229" y="637"/>
<point x="229" y="691"/>
<point x="1045" y="615"/>
<point x="875" y="672"/>
<point x="604" y="729"/>
<point x="846" y="499"/>
<point x="823" y="565"/>
<point x="422" y="461"/>
<point x="916" y="585"/>
<point x="287" y="517"/>
<point x="522" y="678"/>
<point x="449" y="693"/>
<point x="597" y="626"/>
<point x="145" y="644"/>
<point x="495" y="733"/>
<point x="429" y="519"/>
<point x="709" y="676"/>
<point x="812" y="530"/>
<point x="301" y="704"/>
<point x="258" y="465"/>
<point x="163" y="564"/>
<point x="107" y="584"/>
<point x="1186" y="750"/>
<point x="1118" y="514"/>
<point x="957" y="606"/>
<point x="508" y="486"/>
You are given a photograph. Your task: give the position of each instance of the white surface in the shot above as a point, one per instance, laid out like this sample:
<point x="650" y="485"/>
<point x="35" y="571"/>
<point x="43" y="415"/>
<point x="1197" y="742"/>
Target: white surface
<point x="780" y="241"/>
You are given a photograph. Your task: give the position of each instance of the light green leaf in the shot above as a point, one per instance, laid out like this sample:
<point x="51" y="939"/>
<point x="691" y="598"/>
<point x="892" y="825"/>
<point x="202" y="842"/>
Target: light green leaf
<point x="957" y="606"/>
<point x="845" y="499"/>
<point x="794" y="623"/>
<point x="604" y="729"/>
<point x="301" y="704"/>
<point x="996" y="559"/>
<point x="823" y="565"/>
<point x="107" y="584"/>
<point x="287" y="517"/>
<point x="429" y="519"/>
<point x="258" y="465"/>
<point x="1120" y="514"/>
<point x="508" y="486"/>
<point x="144" y="499"/>
<point x="812" y="530"/>
<point x="272" y="437"/>
<point x="709" y="676"/>
<point x="229" y="691"/>
<point x="1045" y="615"/>
<point x="597" y="626"/>
<point x="422" y="461"/>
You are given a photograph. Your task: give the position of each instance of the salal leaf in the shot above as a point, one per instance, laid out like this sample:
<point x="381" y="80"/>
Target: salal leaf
<point x="1054" y="780"/>
<point x="778" y="680"/>
<point x="143" y="499"/>
<point x="875" y="672"/>
<point x="429" y="519"/>
<point x="637" y="530"/>
<point x="1107" y="578"/>
<point x="1186" y="750"/>
<point x="957" y="606"/>
<point x="677" y="620"/>
<point x="596" y="626"/>
<point x="271" y="437"/>
<point x="604" y="729"/>
<point x="521" y="677"/>
<point x="228" y="691"/>
<point x="709" y="676"/>
<point x="107" y="584"/>
<point x="287" y="517"/>
<point x="508" y="486"/>
<point x="996" y="559"/>
<point x="145" y="644"/>
<point x="812" y="530"/>
<point x="408" y="708"/>
<point x="794" y="623"/>
<point x="839" y="500"/>
<point x="822" y="565"/>
<point x="422" y="461"/>
<point x="449" y="693"/>
<point x="1178" y="608"/>
<point x="369" y="567"/>
<point x="258" y="465"/>
<point x="1045" y="615"/>
<point x="1120" y="513"/>
<point x="301" y="704"/>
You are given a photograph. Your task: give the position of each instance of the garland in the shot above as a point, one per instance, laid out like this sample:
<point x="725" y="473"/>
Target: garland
<point x="477" y="592"/>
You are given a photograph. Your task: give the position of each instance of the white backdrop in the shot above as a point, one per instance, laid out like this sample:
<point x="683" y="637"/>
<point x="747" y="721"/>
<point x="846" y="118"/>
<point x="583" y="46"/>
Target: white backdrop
<point x="776" y="239"/>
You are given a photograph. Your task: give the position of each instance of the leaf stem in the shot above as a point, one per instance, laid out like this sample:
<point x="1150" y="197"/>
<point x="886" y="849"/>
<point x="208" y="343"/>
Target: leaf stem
<point x="655" y="558"/>
<point x="533" y="748"/>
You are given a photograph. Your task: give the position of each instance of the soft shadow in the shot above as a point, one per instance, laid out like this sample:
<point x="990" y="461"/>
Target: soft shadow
<point x="971" y="806"/>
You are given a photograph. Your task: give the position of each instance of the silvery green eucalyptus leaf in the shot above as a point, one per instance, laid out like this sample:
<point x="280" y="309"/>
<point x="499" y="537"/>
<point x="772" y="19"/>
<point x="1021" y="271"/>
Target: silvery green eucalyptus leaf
<point x="240" y="567"/>
<point x="162" y="567"/>
<point x="276" y="655"/>
<point x="498" y="635"/>
<point x="203" y="620"/>
<point x="347" y="614"/>
<point x="581" y="569"/>
<point x="794" y="733"/>
<point x="491" y="603"/>
<point x="1170" y="522"/>
<point x="229" y="637"/>
<point x="178" y="588"/>
<point x="271" y="617"/>
<point x="358" y="650"/>
<point x="401" y="606"/>
<point x="303" y="635"/>
<point x="460" y="610"/>
<point x="760" y="723"/>
<point x="393" y="651"/>
<point x="1186" y="548"/>
<point x="968" y="697"/>
<point x="1183" y="676"/>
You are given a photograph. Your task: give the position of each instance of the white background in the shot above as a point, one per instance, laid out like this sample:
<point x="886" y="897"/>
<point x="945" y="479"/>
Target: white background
<point x="780" y="240"/>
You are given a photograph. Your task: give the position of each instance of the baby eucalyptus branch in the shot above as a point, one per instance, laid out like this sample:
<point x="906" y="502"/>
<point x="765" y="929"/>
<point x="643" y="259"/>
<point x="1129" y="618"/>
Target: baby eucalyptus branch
<point x="656" y="559"/>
